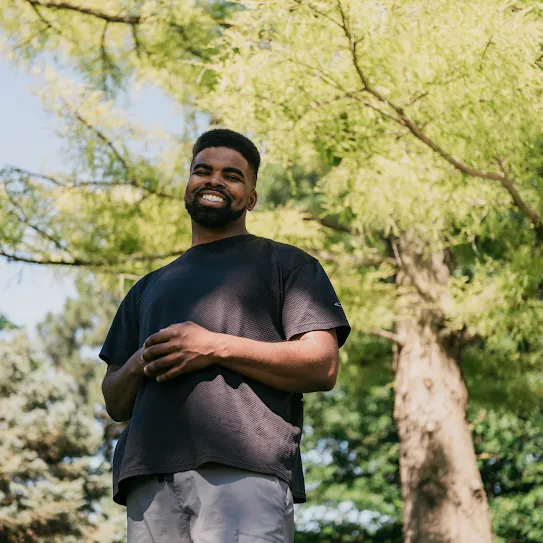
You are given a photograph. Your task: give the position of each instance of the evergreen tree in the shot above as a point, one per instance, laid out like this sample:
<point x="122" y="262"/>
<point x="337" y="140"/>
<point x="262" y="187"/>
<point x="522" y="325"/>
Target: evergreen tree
<point x="53" y="485"/>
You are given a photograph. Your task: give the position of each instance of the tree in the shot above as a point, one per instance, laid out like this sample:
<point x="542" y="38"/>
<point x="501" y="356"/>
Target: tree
<point x="404" y="105"/>
<point x="50" y="487"/>
<point x="352" y="459"/>
<point x="422" y="125"/>
<point x="6" y="324"/>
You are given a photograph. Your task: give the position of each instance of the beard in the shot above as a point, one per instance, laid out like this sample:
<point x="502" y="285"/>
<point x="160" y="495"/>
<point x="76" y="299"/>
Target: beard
<point x="212" y="217"/>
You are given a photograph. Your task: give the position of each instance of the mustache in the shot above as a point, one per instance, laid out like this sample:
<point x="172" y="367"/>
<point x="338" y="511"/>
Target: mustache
<point x="226" y="196"/>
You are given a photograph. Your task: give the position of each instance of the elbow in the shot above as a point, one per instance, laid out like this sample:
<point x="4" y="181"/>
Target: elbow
<point x="331" y="373"/>
<point x="117" y="415"/>
<point x="328" y="384"/>
<point x="115" y="412"/>
<point x="328" y="380"/>
<point x="114" y="408"/>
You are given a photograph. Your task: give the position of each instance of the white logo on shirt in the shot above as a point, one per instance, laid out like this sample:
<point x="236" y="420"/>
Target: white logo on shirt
<point x="338" y="304"/>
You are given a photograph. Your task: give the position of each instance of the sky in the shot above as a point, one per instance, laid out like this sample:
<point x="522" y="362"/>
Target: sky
<point x="28" y="140"/>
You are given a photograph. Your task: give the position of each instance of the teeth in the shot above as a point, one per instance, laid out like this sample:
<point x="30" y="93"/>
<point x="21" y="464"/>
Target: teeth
<point x="212" y="198"/>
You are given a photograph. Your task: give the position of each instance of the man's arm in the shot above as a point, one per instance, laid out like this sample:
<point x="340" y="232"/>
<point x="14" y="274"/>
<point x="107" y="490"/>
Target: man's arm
<point x="120" y="386"/>
<point x="308" y="364"/>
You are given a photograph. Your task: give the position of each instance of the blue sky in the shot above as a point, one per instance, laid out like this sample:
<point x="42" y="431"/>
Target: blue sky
<point x="27" y="140"/>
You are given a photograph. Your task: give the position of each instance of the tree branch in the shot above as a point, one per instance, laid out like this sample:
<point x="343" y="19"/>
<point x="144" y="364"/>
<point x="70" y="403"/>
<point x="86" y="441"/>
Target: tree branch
<point x="47" y="24"/>
<point x="91" y="183"/>
<point x="329" y="223"/>
<point x="126" y="19"/>
<point x="101" y="136"/>
<point x="319" y="12"/>
<point x="326" y="256"/>
<point x="9" y="169"/>
<point x="412" y="126"/>
<point x="57" y="242"/>
<point x="13" y="257"/>
<point x="105" y="60"/>
<point x="468" y="337"/>
<point x="519" y="202"/>
<point x="391" y="336"/>
<point x="188" y="47"/>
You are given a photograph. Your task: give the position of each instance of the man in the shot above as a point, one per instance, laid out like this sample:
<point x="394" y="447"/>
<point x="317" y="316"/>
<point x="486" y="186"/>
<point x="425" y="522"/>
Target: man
<point x="208" y="358"/>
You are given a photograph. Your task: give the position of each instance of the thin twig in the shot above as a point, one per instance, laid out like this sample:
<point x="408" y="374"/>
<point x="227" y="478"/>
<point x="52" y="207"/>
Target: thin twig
<point x="102" y="137"/>
<point x="25" y="220"/>
<point x="319" y="12"/>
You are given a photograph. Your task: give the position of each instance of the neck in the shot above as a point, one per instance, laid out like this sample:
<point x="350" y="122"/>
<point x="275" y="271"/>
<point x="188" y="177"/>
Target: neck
<point x="202" y="234"/>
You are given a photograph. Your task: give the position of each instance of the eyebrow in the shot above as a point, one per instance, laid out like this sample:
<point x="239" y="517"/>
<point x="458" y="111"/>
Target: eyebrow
<point x="228" y="169"/>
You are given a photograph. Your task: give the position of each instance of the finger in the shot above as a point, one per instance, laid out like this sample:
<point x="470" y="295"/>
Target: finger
<point x="170" y="374"/>
<point x="158" y="351"/>
<point x="158" y="337"/>
<point x="158" y="366"/>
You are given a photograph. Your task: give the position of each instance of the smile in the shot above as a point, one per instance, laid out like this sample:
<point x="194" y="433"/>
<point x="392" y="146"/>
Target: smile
<point x="212" y="197"/>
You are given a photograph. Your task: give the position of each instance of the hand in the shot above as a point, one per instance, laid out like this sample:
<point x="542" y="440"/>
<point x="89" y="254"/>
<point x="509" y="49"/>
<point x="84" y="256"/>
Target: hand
<point x="136" y="362"/>
<point x="178" y="349"/>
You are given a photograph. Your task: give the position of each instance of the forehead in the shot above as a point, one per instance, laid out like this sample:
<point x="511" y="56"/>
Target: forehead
<point x="222" y="157"/>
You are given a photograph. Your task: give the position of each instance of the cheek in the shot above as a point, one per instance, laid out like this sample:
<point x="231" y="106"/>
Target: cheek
<point x="192" y="185"/>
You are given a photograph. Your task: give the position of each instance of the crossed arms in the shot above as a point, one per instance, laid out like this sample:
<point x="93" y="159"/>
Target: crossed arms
<point x="308" y="364"/>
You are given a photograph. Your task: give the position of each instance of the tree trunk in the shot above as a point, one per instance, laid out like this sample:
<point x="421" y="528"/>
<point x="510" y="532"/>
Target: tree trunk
<point x="443" y="496"/>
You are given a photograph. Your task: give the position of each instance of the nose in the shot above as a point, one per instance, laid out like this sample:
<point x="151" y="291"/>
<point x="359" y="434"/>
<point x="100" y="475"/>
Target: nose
<point x="215" y="180"/>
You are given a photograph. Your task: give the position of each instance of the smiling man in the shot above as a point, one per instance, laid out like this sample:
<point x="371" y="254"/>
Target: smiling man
<point x="208" y="359"/>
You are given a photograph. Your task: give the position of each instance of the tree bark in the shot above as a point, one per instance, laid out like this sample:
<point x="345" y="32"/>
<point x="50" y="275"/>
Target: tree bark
<point x="443" y="496"/>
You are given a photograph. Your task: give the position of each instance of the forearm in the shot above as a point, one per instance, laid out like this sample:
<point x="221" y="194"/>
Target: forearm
<point x="293" y="366"/>
<point x="120" y="388"/>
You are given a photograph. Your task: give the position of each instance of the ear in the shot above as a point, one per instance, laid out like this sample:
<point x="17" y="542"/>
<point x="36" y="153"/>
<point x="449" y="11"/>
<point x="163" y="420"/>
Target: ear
<point x="253" y="198"/>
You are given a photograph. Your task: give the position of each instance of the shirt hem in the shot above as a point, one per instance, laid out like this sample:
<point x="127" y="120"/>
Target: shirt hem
<point x="120" y="497"/>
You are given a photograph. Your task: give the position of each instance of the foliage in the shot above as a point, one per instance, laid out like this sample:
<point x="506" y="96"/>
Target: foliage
<point x="108" y="45"/>
<point x="351" y="457"/>
<point x="6" y="324"/>
<point x="509" y="449"/>
<point x="394" y="122"/>
<point x="67" y="338"/>
<point x="403" y="113"/>
<point x="53" y="487"/>
<point x="376" y="119"/>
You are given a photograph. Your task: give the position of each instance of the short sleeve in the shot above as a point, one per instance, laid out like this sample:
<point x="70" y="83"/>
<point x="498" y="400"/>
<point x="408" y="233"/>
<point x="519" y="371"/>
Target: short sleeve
<point x="310" y="303"/>
<point x="122" y="340"/>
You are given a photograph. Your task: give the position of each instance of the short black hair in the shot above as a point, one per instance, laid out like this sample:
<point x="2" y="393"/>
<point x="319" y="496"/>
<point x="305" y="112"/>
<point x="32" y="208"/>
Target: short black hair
<point x="222" y="137"/>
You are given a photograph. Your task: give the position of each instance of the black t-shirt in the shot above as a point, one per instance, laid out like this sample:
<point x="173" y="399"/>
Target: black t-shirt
<point x="245" y="286"/>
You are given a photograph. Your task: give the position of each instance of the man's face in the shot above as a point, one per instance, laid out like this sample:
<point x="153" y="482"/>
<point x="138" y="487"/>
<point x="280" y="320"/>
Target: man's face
<point x="220" y="187"/>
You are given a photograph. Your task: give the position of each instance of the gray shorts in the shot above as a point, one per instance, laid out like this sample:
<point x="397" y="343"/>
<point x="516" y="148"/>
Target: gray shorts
<point x="212" y="504"/>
